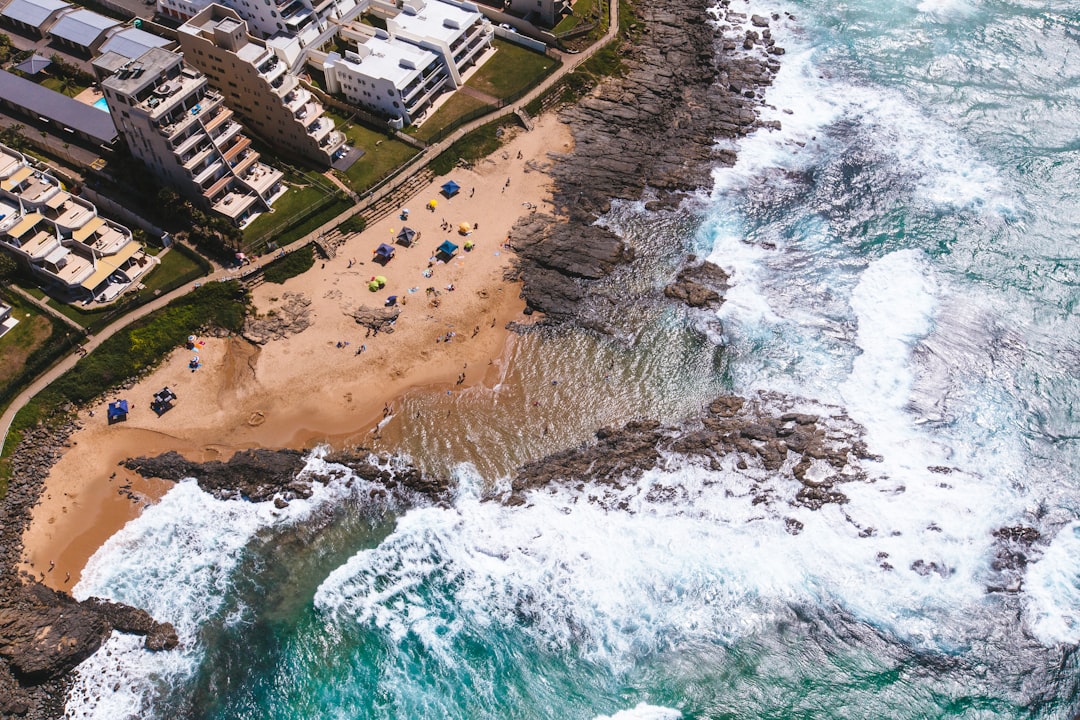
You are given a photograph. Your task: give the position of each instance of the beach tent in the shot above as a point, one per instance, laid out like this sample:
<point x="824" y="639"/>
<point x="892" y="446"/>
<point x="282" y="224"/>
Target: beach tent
<point x="118" y="411"/>
<point x="163" y="400"/>
<point x="447" y="248"/>
<point x="391" y="301"/>
<point x="384" y="252"/>
<point x="406" y="236"/>
<point x="450" y="189"/>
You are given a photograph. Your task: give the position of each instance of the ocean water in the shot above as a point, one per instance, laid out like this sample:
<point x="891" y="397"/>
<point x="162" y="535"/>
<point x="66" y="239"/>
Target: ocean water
<point x="904" y="254"/>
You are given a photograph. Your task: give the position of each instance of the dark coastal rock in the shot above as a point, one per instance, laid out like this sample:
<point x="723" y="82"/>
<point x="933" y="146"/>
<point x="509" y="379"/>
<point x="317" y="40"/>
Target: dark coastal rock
<point x="253" y="474"/>
<point x="699" y="286"/>
<point x="44" y="633"/>
<point x="656" y="125"/>
<point x="819" y="452"/>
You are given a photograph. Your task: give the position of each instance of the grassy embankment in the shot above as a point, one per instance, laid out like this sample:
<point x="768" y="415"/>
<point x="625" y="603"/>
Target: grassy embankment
<point x="128" y="354"/>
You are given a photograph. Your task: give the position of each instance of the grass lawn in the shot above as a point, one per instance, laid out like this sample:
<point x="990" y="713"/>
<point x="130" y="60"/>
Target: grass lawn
<point x="457" y="107"/>
<point x="17" y="345"/>
<point x="511" y="71"/>
<point x="174" y="265"/>
<point x="68" y="87"/>
<point x="582" y="10"/>
<point x="80" y="316"/>
<point x="382" y="154"/>
<point x="290" y="205"/>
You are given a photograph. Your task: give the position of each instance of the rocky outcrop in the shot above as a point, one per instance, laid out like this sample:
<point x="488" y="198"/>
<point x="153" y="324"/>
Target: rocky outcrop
<point x="291" y="316"/>
<point x="260" y="475"/>
<point x="699" y="285"/>
<point x="44" y="634"/>
<point x="821" y="453"/>
<point x="379" y="319"/>
<point x="687" y="83"/>
<point x="256" y="475"/>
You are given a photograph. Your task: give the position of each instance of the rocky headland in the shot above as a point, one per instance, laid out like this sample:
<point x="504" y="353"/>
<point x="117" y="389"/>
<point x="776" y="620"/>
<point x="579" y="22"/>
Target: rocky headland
<point x="687" y="84"/>
<point x="44" y="634"/>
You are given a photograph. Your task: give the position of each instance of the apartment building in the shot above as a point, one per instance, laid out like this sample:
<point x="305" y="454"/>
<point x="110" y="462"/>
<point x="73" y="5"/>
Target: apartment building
<point x="546" y="13"/>
<point x="301" y="19"/>
<point x="61" y="238"/>
<point x="388" y="76"/>
<point x="179" y="127"/>
<point x="454" y="30"/>
<point x="257" y="85"/>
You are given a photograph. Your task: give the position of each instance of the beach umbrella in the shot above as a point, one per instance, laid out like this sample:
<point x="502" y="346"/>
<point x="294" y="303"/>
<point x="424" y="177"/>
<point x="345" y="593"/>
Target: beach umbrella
<point x="380" y="280"/>
<point x="469" y="245"/>
<point x="392" y="300"/>
<point x="432" y="204"/>
<point x="464" y="228"/>
<point x="373" y="286"/>
<point x="191" y="339"/>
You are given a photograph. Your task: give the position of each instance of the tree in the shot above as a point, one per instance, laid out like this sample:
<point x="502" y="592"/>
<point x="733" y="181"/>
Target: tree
<point x="8" y="268"/>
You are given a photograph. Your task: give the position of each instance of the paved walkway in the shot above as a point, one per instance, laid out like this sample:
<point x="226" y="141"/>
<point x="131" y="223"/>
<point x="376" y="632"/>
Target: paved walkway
<point x="421" y="162"/>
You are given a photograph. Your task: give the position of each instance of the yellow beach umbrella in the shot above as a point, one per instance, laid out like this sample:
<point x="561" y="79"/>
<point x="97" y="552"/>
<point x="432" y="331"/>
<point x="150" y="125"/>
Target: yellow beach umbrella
<point x="432" y="203"/>
<point x="380" y="280"/>
<point x="465" y="227"/>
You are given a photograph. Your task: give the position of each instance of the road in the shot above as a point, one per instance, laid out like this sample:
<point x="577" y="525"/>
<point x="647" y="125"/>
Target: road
<point x="421" y="161"/>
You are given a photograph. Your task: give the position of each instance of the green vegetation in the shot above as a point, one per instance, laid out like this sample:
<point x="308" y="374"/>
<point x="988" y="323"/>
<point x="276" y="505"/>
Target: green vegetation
<point x="36" y="331"/>
<point x="63" y="85"/>
<point x="511" y="72"/>
<point x="178" y="266"/>
<point x="303" y="208"/>
<point x="132" y="351"/>
<point x="383" y="153"/>
<point x="584" y="11"/>
<point x="353" y="224"/>
<point x="293" y="264"/>
<point x="478" y="144"/>
<point x="454" y="113"/>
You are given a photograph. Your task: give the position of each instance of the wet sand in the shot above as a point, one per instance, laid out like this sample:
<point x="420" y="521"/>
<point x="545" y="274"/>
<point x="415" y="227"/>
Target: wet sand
<point x="312" y="387"/>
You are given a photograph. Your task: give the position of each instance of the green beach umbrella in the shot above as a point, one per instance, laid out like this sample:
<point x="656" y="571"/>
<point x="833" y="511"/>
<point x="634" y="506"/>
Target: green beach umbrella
<point x="373" y="286"/>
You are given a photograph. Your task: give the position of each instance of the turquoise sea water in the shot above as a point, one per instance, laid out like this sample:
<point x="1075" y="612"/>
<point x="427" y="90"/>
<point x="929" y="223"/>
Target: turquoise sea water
<point x="904" y="250"/>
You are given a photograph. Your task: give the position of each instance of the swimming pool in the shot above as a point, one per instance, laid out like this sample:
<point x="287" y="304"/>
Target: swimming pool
<point x="101" y="104"/>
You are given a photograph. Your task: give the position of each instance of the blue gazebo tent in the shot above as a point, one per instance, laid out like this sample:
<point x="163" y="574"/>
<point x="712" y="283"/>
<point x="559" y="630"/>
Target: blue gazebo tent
<point x="406" y="236"/>
<point x="384" y="252"/>
<point x="118" y="410"/>
<point x="447" y="248"/>
<point x="450" y="188"/>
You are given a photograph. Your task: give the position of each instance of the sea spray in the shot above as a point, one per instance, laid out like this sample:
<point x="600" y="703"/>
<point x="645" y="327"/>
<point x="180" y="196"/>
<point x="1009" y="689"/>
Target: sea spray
<point x="177" y="560"/>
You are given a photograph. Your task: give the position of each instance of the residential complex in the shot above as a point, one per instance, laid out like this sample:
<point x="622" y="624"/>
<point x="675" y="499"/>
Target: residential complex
<point x="399" y="73"/>
<point x="254" y="78"/>
<point x="546" y="13"/>
<point x="388" y="76"/>
<point x="453" y="29"/>
<point x="61" y="238"/>
<point x="302" y="19"/>
<point x="181" y="130"/>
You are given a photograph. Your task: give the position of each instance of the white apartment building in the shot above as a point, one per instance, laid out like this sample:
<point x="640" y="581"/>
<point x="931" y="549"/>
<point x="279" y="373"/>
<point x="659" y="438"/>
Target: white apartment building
<point x="61" y="238"/>
<point x="454" y="30"/>
<point x="388" y="76"/>
<point x="257" y="85"/>
<point x="302" y="19"/>
<point x="181" y="130"/>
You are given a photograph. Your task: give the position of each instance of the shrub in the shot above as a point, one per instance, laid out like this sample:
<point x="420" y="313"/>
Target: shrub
<point x="293" y="264"/>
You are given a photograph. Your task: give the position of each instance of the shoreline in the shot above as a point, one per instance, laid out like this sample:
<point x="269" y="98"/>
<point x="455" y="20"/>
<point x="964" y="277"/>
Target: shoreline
<point x="315" y="386"/>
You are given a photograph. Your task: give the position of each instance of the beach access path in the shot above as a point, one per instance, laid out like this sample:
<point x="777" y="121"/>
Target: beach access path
<point x="92" y="342"/>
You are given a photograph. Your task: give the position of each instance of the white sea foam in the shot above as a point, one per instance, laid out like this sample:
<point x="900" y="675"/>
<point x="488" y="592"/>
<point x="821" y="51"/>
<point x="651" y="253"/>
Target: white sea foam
<point x="1053" y="589"/>
<point x="644" y="711"/>
<point x="176" y="561"/>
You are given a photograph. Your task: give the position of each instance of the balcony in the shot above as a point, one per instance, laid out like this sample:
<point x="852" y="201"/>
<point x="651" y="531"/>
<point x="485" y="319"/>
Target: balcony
<point x="189" y="144"/>
<point x="209" y="173"/>
<point x="227" y="134"/>
<point x="320" y="128"/>
<point x="245" y="161"/>
<point x="217" y="118"/>
<point x="234" y="203"/>
<point x="296" y="99"/>
<point x="200" y="156"/>
<point x="261" y="178"/>
<point x="109" y="240"/>
<point x="233" y="153"/>
<point x="217" y="187"/>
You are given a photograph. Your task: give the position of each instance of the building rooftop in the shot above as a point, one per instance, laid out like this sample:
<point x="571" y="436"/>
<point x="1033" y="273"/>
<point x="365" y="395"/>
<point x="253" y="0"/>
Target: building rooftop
<point x="133" y="42"/>
<point x="81" y="27"/>
<point x="436" y="20"/>
<point x="145" y="71"/>
<point x="32" y="12"/>
<point x="392" y="60"/>
<point x="57" y="107"/>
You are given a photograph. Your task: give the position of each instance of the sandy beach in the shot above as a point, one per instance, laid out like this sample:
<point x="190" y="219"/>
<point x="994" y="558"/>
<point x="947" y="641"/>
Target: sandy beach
<point x="331" y="383"/>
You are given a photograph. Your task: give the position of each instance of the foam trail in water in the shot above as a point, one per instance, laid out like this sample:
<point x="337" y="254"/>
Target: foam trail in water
<point x="1053" y="589"/>
<point x="176" y="561"/>
<point x="643" y="711"/>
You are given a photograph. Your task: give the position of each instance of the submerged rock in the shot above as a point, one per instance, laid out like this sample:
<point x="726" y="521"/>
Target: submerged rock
<point x="699" y="285"/>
